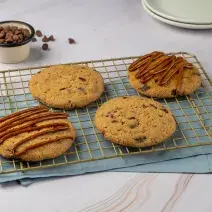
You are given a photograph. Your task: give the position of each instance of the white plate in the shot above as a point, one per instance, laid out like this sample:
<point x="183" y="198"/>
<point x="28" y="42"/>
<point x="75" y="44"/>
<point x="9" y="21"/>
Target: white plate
<point x="187" y="11"/>
<point x="175" y="23"/>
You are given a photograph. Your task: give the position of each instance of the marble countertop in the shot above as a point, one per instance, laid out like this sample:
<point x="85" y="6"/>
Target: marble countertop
<point x="105" y="29"/>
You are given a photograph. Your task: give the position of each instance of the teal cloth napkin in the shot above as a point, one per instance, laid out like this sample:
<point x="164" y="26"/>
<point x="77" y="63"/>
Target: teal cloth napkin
<point x="195" y="159"/>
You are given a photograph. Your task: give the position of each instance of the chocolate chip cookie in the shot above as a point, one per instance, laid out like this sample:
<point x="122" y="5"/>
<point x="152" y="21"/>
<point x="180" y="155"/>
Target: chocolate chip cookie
<point x="163" y="76"/>
<point x="134" y="121"/>
<point x="35" y="134"/>
<point x="67" y="86"/>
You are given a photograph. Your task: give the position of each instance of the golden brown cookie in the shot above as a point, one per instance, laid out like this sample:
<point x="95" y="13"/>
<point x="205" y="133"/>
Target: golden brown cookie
<point x="35" y="134"/>
<point x="134" y="121"/>
<point x="163" y="76"/>
<point x="67" y="86"/>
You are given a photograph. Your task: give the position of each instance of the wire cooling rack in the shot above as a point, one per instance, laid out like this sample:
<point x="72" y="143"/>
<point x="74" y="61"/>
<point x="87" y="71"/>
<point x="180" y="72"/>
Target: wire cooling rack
<point x="193" y="114"/>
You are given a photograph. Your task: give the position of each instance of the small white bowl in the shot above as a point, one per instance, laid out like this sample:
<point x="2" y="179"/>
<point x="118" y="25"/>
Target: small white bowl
<point x="16" y="52"/>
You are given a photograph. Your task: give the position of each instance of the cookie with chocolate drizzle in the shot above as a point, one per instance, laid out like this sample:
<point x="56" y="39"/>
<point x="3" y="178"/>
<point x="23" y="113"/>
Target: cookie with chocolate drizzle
<point x="67" y="86"/>
<point x="164" y="76"/>
<point x="134" y="121"/>
<point x="35" y="134"/>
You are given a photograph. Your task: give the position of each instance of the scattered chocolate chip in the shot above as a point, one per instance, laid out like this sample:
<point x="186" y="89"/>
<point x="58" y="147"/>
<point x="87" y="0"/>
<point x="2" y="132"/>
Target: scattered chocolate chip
<point x="140" y="139"/>
<point x="145" y="88"/>
<point x="38" y="33"/>
<point x="45" y="46"/>
<point x="61" y="89"/>
<point x="131" y="118"/>
<point x="81" y="78"/>
<point x="34" y="39"/>
<point x="174" y="92"/>
<point x="125" y="97"/>
<point x="51" y="38"/>
<point x="45" y="39"/>
<point x="71" y="40"/>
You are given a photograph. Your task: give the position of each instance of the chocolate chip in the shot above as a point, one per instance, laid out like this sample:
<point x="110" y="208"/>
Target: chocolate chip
<point x="81" y="78"/>
<point x="14" y="28"/>
<point x="109" y="114"/>
<point x="17" y="32"/>
<point x="51" y="38"/>
<point x="153" y="106"/>
<point x="61" y="89"/>
<point x="21" y="37"/>
<point x="15" y="37"/>
<point x="26" y="33"/>
<point x="71" y="40"/>
<point x="174" y="92"/>
<point x="140" y="139"/>
<point x="34" y="39"/>
<point x="45" y="46"/>
<point x="38" y="33"/>
<point x="9" y="39"/>
<point x="114" y="121"/>
<point x="45" y="39"/>
<point x="2" y="34"/>
<point x="82" y="89"/>
<point x="7" y="28"/>
<point x="145" y="88"/>
<point x="131" y="118"/>
<point x="125" y="97"/>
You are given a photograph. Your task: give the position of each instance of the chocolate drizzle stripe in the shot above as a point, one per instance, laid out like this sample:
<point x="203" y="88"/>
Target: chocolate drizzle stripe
<point x="22" y="112"/>
<point x="59" y="128"/>
<point x="29" y="129"/>
<point x="27" y="114"/>
<point x="32" y="123"/>
<point x="136" y="64"/>
<point x="41" y="144"/>
<point x="159" y="66"/>
<point x="47" y="114"/>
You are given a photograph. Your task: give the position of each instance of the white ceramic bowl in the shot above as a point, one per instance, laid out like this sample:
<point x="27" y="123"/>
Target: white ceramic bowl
<point x="16" y="52"/>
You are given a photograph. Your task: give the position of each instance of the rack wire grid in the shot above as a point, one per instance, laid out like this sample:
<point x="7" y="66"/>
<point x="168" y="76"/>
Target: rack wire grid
<point x="193" y="114"/>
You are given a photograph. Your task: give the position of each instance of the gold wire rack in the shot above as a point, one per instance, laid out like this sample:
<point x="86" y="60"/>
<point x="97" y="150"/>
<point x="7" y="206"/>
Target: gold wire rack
<point x="193" y="114"/>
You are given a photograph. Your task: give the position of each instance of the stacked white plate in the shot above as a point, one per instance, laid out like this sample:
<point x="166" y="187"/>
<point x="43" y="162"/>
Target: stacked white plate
<point x="192" y="14"/>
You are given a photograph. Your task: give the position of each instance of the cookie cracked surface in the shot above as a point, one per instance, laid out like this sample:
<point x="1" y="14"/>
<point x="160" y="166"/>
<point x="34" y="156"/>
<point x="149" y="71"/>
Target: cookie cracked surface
<point x="163" y="76"/>
<point x="67" y="86"/>
<point x="35" y="134"/>
<point x="134" y="121"/>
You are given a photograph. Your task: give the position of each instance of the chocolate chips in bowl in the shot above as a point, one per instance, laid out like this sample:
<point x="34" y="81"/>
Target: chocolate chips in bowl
<point x="15" y="38"/>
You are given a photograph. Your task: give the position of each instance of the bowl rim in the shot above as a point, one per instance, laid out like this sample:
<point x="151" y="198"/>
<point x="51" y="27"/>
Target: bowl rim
<point x="24" y="41"/>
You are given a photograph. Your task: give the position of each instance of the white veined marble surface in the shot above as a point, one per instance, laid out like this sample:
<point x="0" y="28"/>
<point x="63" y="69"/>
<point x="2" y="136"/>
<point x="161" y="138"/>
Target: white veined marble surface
<point x="105" y="29"/>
